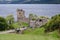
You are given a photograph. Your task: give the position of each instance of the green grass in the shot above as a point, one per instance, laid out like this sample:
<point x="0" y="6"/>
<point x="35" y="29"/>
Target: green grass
<point x="25" y="37"/>
<point x="37" y="31"/>
<point x="30" y="34"/>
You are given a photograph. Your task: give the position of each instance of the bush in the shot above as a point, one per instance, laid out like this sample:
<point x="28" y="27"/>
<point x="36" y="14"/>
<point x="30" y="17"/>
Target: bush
<point x="36" y="31"/>
<point x="3" y="24"/>
<point x="53" y="24"/>
<point x="15" y="25"/>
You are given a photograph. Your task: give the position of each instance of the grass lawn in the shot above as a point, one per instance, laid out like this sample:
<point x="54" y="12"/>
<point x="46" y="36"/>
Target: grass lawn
<point x="37" y="34"/>
<point x="26" y="37"/>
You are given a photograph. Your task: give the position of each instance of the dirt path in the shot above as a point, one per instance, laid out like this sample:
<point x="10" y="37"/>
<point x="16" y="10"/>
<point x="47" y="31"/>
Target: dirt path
<point x="8" y="31"/>
<point x="11" y="31"/>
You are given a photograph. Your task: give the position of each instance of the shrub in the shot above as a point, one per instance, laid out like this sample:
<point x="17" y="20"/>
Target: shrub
<point x="3" y="24"/>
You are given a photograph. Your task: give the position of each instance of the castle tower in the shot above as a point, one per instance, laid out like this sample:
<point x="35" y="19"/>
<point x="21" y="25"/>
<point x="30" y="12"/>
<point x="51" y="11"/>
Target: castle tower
<point x="20" y="15"/>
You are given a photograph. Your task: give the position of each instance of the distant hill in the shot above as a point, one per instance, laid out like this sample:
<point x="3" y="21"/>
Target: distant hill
<point x="30" y="2"/>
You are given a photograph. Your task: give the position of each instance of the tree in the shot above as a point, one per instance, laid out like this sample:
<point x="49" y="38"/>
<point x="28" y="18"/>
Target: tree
<point x="10" y="21"/>
<point x="16" y="25"/>
<point x="53" y="24"/>
<point x="3" y="24"/>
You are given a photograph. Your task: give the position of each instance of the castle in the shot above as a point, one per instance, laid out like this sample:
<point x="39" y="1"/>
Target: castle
<point x="22" y="18"/>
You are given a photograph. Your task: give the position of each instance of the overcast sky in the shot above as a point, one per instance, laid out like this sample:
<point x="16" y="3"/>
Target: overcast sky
<point x="38" y="9"/>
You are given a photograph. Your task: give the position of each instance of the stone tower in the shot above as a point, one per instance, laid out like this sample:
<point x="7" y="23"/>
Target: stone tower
<point x="20" y="15"/>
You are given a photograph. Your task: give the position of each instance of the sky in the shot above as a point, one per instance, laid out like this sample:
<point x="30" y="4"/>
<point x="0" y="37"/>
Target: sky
<point x="48" y="10"/>
<point x="29" y="1"/>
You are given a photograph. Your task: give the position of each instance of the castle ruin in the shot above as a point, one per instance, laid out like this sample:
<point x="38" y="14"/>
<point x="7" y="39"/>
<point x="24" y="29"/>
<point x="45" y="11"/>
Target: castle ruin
<point x="22" y="18"/>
